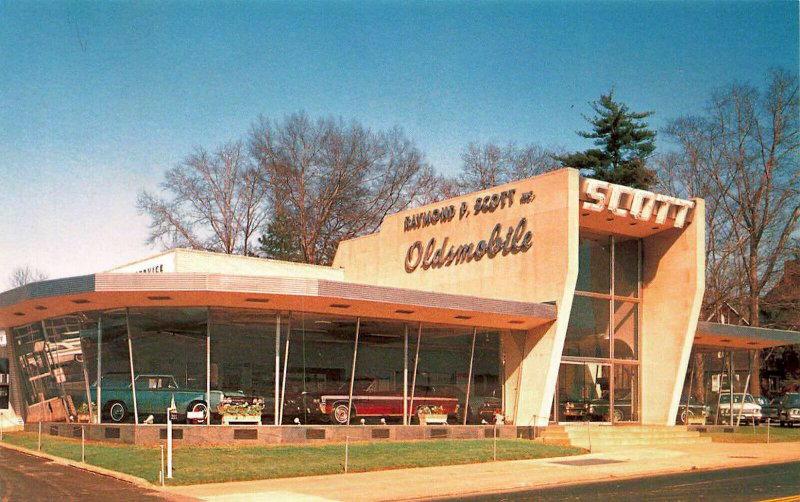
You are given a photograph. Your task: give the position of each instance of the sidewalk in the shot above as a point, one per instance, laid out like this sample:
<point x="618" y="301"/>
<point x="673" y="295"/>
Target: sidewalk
<point x="406" y="484"/>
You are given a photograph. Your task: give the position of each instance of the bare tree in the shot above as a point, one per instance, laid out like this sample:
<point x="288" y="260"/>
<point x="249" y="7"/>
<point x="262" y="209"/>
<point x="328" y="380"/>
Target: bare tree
<point x="436" y="187"/>
<point x="215" y="201"/>
<point x="21" y="276"/>
<point x="487" y="165"/>
<point x="331" y="181"/>
<point x="745" y="148"/>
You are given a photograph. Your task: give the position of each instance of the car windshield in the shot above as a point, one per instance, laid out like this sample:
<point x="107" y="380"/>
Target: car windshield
<point x="737" y="398"/>
<point x="793" y="400"/>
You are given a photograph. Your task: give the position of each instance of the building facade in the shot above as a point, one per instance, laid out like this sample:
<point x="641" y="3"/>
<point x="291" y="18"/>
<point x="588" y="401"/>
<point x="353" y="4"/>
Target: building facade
<point x="553" y="298"/>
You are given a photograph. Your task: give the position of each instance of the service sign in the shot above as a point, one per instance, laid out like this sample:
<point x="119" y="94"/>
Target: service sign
<point x="445" y="251"/>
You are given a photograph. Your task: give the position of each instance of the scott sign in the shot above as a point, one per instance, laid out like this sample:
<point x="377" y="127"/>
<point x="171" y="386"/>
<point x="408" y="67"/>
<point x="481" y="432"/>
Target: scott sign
<point x="640" y="204"/>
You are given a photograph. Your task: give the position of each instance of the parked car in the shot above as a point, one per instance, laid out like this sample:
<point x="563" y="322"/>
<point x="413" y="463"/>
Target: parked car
<point x="154" y="393"/>
<point x="693" y="410"/>
<point x="769" y="409"/>
<point x="600" y="409"/>
<point x="571" y="410"/>
<point x="489" y="409"/>
<point x="58" y="353"/>
<point x="789" y="409"/>
<point x="745" y="409"/>
<point x="370" y="401"/>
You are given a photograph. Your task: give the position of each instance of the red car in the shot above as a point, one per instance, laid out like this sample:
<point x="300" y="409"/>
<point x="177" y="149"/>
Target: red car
<point x="369" y="401"/>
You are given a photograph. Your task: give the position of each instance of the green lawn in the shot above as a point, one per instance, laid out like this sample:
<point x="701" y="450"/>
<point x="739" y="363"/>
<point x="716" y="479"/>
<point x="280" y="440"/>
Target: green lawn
<point x="756" y="435"/>
<point x="218" y="464"/>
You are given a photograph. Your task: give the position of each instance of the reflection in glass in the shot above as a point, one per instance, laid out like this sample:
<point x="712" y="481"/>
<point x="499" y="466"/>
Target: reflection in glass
<point x="626" y="330"/>
<point x="42" y="390"/>
<point x="116" y="402"/>
<point x="594" y="264"/>
<point x="626" y="393"/>
<point x="169" y="360"/>
<point x="626" y="267"/>
<point x="63" y="359"/>
<point x="587" y="332"/>
<point x="243" y="356"/>
<point x="583" y="392"/>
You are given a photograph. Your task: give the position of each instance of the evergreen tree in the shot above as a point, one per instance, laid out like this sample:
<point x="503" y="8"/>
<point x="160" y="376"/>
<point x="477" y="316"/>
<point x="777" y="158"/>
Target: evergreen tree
<point x="624" y="142"/>
<point x="279" y="242"/>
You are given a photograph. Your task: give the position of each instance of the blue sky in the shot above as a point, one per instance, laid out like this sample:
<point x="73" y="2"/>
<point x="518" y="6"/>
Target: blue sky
<point x="98" y="99"/>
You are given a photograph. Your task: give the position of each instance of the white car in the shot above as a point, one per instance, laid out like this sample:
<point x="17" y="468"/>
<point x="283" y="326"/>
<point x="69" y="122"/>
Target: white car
<point x="61" y="353"/>
<point x="745" y="409"/>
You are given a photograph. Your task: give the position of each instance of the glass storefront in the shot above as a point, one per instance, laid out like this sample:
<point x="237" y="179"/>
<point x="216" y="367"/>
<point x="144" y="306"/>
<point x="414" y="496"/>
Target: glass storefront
<point x="224" y="365"/>
<point x="599" y="376"/>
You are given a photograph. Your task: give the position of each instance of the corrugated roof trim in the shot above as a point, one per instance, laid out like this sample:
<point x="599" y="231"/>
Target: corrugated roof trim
<point x="45" y="289"/>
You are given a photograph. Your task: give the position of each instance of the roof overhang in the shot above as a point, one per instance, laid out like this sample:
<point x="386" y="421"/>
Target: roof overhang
<point x="112" y="290"/>
<point x="711" y="334"/>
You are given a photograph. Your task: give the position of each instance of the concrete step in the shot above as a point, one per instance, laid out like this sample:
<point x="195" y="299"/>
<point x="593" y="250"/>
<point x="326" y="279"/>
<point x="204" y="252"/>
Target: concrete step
<point x="602" y="445"/>
<point x="603" y="436"/>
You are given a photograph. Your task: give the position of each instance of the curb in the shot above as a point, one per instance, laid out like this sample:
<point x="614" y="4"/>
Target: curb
<point x="141" y="482"/>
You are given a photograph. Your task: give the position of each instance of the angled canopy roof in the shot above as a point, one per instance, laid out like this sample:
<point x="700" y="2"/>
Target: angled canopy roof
<point x="711" y="334"/>
<point x="114" y="290"/>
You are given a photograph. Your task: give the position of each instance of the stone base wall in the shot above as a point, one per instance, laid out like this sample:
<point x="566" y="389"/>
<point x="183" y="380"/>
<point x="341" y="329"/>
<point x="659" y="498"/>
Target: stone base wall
<point x="199" y="435"/>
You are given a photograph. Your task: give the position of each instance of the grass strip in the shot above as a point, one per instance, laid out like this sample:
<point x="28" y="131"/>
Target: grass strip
<point x="216" y="464"/>
<point x="756" y="435"/>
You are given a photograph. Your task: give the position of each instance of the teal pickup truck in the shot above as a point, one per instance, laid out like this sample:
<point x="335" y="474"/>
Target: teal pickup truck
<point x="154" y="394"/>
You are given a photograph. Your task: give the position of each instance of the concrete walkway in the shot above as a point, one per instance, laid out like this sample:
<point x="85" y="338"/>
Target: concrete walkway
<point x="405" y="484"/>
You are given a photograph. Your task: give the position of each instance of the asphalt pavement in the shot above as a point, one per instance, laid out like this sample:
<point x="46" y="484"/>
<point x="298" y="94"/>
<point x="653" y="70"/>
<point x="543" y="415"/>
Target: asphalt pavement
<point x="28" y="478"/>
<point x="742" y="484"/>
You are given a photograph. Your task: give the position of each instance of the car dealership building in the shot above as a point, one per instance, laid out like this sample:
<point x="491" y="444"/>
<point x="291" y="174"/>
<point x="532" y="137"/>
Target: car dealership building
<point x="523" y="299"/>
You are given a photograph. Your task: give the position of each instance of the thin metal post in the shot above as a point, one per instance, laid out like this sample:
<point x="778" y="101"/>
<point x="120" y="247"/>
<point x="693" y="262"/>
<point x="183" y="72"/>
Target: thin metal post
<point x="405" y="374"/>
<point x="494" y="442"/>
<point x="285" y="366"/>
<point x="208" y="366"/>
<point x="99" y="368"/>
<point x="353" y="372"/>
<point x="414" y="376"/>
<point x="83" y="445"/>
<point x="39" y="441"/>
<point x="277" y="364"/>
<point x="768" y="422"/>
<point x="346" y="451"/>
<point x="130" y="357"/>
<point x="169" y="439"/>
<point x="86" y="383"/>
<point x="746" y="391"/>
<point x="688" y="392"/>
<point x="469" y="378"/>
<point x="161" y="473"/>
<point x="730" y="386"/>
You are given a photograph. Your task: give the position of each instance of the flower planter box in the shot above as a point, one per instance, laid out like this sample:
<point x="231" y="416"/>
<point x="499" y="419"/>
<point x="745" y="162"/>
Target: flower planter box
<point x="241" y="419"/>
<point x="433" y="419"/>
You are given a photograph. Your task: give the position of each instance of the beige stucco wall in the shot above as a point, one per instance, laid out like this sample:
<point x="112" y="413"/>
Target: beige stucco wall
<point x="545" y="273"/>
<point x="673" y="283"/>
<point x="187" y="261"/>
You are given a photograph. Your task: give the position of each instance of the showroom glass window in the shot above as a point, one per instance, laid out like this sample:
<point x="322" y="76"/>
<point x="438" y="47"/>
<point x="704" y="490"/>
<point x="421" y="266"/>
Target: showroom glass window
<point x="602" y="341"/>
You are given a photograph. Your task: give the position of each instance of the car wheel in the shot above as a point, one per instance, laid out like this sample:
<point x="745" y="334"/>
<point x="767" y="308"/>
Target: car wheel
<point x="117" y="411"/>
<point x="340" y="413"/>
<point x="198" y="406"/>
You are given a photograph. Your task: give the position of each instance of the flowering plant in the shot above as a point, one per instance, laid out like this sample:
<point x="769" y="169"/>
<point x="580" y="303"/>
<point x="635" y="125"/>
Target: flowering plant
<point x="433" y="410"/>
<point x="246" y="409"/>
<point x="83" y="409"/>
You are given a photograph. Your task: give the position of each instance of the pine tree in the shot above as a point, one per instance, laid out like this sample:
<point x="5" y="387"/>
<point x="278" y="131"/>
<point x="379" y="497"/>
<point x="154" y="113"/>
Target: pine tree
<point x="624" y="142"/>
